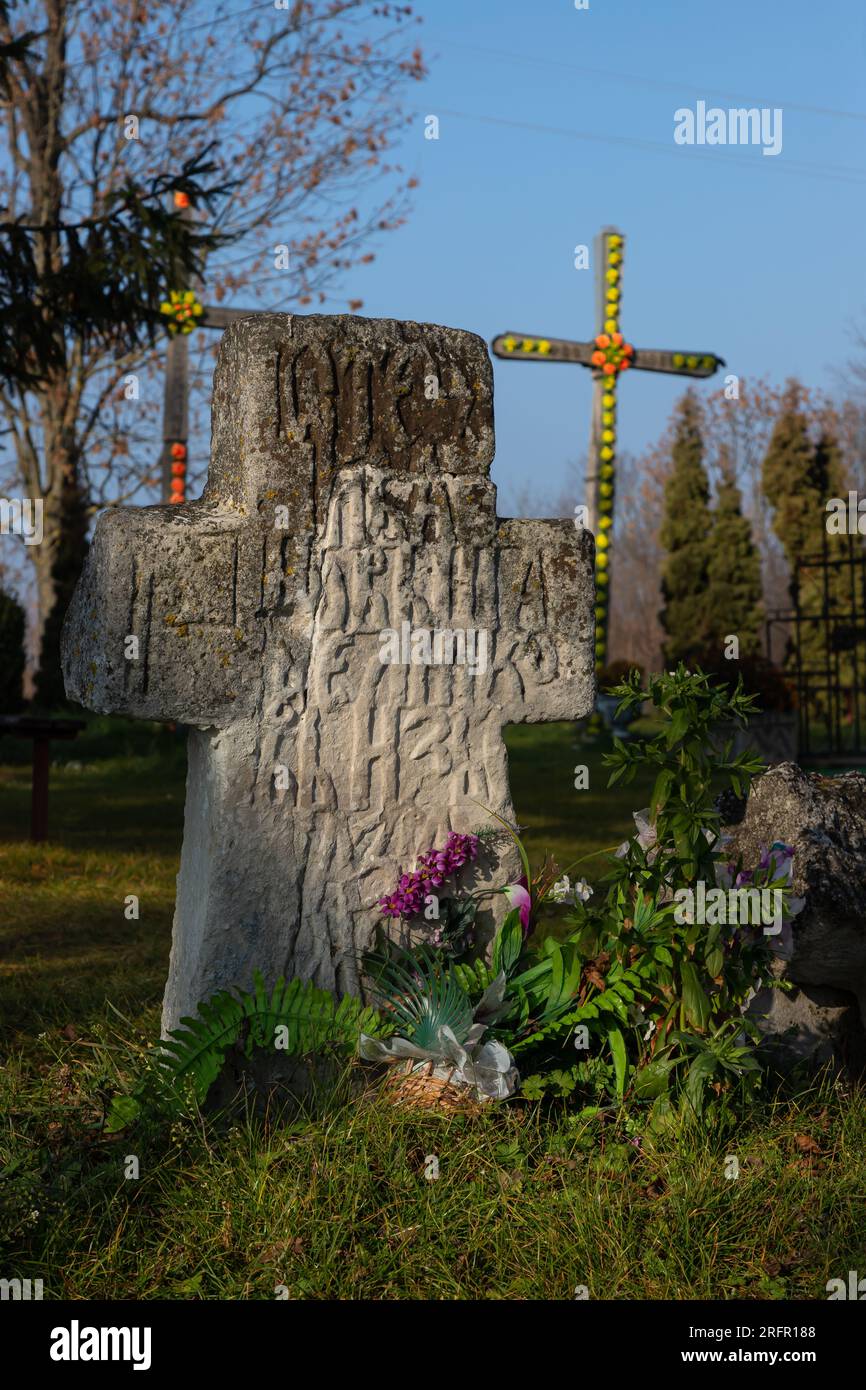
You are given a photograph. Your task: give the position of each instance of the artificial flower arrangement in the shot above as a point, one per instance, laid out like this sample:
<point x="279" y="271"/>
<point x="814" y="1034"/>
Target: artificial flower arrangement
<point x="461" y="1023"/>
<point x="623" y="993"/>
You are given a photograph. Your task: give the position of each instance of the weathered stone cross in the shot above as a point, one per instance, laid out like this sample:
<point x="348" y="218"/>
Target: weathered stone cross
<point x="348" y="494"/>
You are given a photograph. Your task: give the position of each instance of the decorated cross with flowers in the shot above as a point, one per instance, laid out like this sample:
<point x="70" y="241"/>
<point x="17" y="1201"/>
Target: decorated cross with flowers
<point x="608" y="355"/>
<point x="182" y="312"/>
<point x="182" y="315"/>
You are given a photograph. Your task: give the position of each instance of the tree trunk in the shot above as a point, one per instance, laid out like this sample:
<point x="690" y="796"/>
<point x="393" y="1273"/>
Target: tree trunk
<point x="58" y="562"/>
<point x="60" y="556"/>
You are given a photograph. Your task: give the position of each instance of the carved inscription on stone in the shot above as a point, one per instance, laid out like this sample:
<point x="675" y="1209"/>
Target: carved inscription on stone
<point x="345" y="626"/>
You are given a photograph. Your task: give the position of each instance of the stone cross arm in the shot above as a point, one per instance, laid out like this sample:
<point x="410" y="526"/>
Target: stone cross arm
<point x="350" y="473"/>
<point x="346" y="625"/>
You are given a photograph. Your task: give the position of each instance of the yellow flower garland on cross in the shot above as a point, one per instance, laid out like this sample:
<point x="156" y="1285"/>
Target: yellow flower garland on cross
<point x="612" y="356"/>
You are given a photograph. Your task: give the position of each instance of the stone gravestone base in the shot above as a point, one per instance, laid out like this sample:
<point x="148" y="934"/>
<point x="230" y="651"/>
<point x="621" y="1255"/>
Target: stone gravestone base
<point x="772" y="735"/>
<point x="348" y="498"/>
<point x="824" y="818"/>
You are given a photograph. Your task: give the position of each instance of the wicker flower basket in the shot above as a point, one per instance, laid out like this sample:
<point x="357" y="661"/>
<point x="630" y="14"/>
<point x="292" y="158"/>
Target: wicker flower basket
<point x="419" y="1089"/>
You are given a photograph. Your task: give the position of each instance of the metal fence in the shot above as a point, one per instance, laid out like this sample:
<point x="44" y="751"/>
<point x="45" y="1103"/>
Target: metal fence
<point x="821" y="641"/>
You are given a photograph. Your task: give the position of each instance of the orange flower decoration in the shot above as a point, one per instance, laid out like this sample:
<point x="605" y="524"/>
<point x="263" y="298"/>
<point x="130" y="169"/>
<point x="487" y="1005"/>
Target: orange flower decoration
<point x="178" y="451"/>
<point x="612" y="354"/>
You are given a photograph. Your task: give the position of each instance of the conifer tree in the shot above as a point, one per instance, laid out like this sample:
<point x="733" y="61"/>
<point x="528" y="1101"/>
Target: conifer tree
<point x="734" y="569"/>
<point x="799" y="477"/>
<point x="685" y="530"/>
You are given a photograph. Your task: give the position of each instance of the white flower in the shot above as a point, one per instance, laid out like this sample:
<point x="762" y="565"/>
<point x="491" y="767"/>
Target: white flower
<point x="564" y="891"/>
<point x="487" y="1069"/>
<point x="646" y="836"/>
<point x="582" y="891"/>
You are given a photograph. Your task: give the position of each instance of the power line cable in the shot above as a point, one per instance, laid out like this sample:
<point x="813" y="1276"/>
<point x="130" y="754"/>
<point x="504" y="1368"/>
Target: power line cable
<point x="649" y="81"/>
<point x="836" y="173"/>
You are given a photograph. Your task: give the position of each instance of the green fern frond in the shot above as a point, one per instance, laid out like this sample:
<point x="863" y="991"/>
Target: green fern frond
<point x="612" y="1001"/>
<point x="311" y="1019"/>
<point x="196" y="1049"/>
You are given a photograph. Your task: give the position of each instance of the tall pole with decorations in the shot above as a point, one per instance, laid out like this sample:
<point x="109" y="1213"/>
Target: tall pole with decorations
<point x="611" y="357"/>
<point x="181" y="310"/>
<point x="607" y="356"/>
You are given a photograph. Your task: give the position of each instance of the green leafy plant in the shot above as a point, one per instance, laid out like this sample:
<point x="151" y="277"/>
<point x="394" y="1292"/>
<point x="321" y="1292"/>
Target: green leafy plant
<point x="690" y="1035"/>
<point x="721" y="1055"/>
<point x="615" y="672"/>
<point x="661" y="997"/>
<point x="683" y="819"/>
<point x="473" y="977"/>
<point x="191" y="1058"/>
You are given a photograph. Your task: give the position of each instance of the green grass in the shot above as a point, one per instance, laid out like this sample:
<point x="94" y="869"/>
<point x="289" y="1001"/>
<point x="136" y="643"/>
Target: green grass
<point x="570" y="824"/>
<point x="116" y="823"/>
<point x="529" y="1202"/>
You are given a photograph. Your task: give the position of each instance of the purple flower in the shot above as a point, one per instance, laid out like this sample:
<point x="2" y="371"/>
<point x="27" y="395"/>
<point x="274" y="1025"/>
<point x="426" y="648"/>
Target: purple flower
<point x="391" y="906"/>
<point x="778" y="856"/>
<point x="434" y="866"/>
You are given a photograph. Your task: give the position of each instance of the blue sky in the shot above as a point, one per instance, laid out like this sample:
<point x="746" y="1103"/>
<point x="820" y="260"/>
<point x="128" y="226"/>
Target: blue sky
<point x="756" y="258"/>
